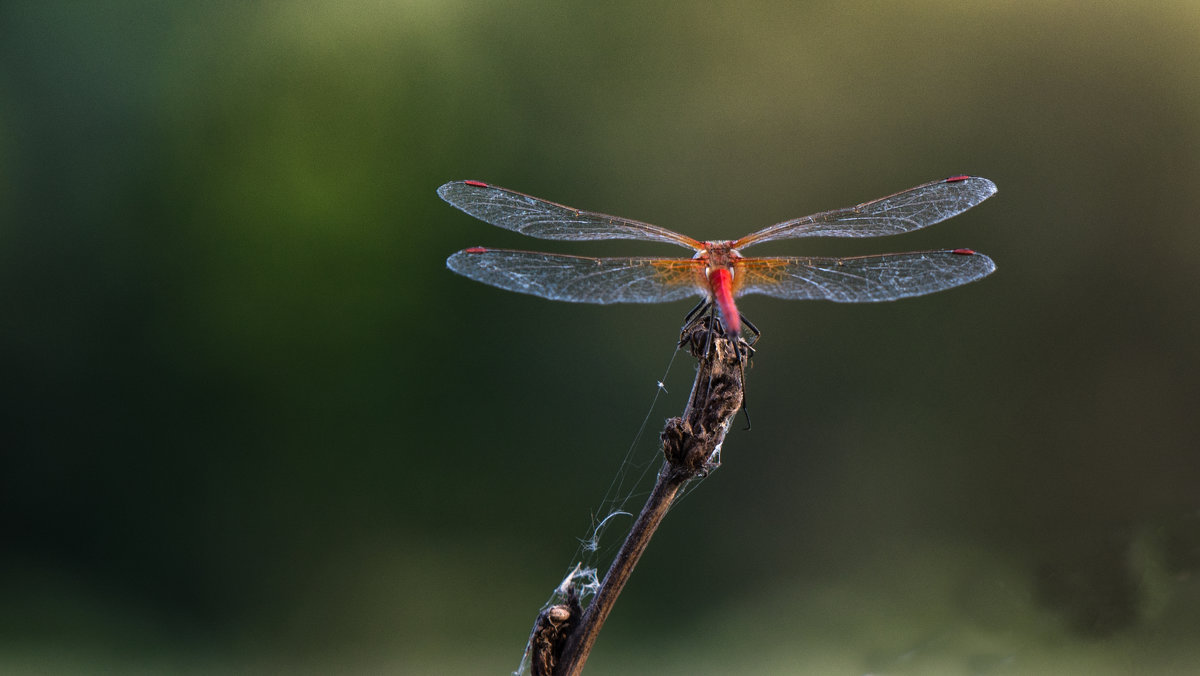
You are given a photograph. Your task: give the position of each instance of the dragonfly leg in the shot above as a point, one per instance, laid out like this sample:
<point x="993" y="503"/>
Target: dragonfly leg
<point x="712" y="325"/>
<point x="704" y="313"/>
<point x="753" y="329"/>
<point x="694" y="315"/>
<point x="745" y="406"/>
<point x="696" y="311"/>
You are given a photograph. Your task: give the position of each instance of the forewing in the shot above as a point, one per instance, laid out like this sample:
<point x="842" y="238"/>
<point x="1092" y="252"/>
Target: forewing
<point x="906" y="211"/>
<point x="582" y="280"/>
<point x="861" y="279"/>
<point x="536" y="217"/>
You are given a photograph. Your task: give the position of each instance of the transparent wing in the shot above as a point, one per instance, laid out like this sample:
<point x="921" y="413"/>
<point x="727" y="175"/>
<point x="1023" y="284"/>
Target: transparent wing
<point x="535" y="217"/>
<point x="905" y="211"/>
<point x="582" y="280"/>
<point x="861" y="279"/>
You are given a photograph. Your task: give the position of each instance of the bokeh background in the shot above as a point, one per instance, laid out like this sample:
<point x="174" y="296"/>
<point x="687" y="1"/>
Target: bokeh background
<point x="250" y="423"/>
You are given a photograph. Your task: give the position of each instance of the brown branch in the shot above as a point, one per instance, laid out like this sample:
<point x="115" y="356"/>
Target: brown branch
<point x="691" y="445"/>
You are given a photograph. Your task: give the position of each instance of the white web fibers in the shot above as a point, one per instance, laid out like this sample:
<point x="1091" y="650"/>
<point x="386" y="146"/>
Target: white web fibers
<point x="631" y="485"/>
<point x="585" y="582"/>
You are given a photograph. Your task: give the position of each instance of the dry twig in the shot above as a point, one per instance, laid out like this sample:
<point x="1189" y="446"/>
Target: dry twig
<point x="691" y="449"/>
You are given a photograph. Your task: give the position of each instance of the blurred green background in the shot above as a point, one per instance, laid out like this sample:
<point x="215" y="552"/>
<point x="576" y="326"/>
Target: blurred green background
<point x="252" y="424"/>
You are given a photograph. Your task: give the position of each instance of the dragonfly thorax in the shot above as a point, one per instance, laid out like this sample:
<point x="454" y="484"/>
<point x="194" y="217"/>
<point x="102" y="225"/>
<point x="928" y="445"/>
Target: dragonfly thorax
<point x="718" y="256"/>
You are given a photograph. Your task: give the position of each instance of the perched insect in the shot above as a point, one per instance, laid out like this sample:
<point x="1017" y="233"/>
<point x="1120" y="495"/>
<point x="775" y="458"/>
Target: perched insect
<point x="718" y="271"/>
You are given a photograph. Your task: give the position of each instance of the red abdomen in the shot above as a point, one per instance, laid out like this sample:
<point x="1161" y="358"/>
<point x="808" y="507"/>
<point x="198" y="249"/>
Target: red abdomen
<point x="720" y="281"/>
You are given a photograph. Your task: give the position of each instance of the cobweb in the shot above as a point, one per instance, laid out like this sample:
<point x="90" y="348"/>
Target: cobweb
<point x="613" y="516"/>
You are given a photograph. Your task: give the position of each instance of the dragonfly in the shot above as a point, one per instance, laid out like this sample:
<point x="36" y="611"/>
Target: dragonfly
<point x="717" y="271"/>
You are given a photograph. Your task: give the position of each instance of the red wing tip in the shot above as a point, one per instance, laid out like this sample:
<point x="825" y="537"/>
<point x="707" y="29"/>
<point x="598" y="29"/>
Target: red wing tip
<point x="960" y="252"/>
<point x="956" y="179"/>
<point x="477" y="184"/>
<point x="479" y="249"/>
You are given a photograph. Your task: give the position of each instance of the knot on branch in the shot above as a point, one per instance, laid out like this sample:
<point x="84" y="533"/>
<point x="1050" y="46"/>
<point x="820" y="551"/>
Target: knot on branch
<point x="685" y="450"/>
<point x="553" y="627"/>
<point x="721" y="399"/>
